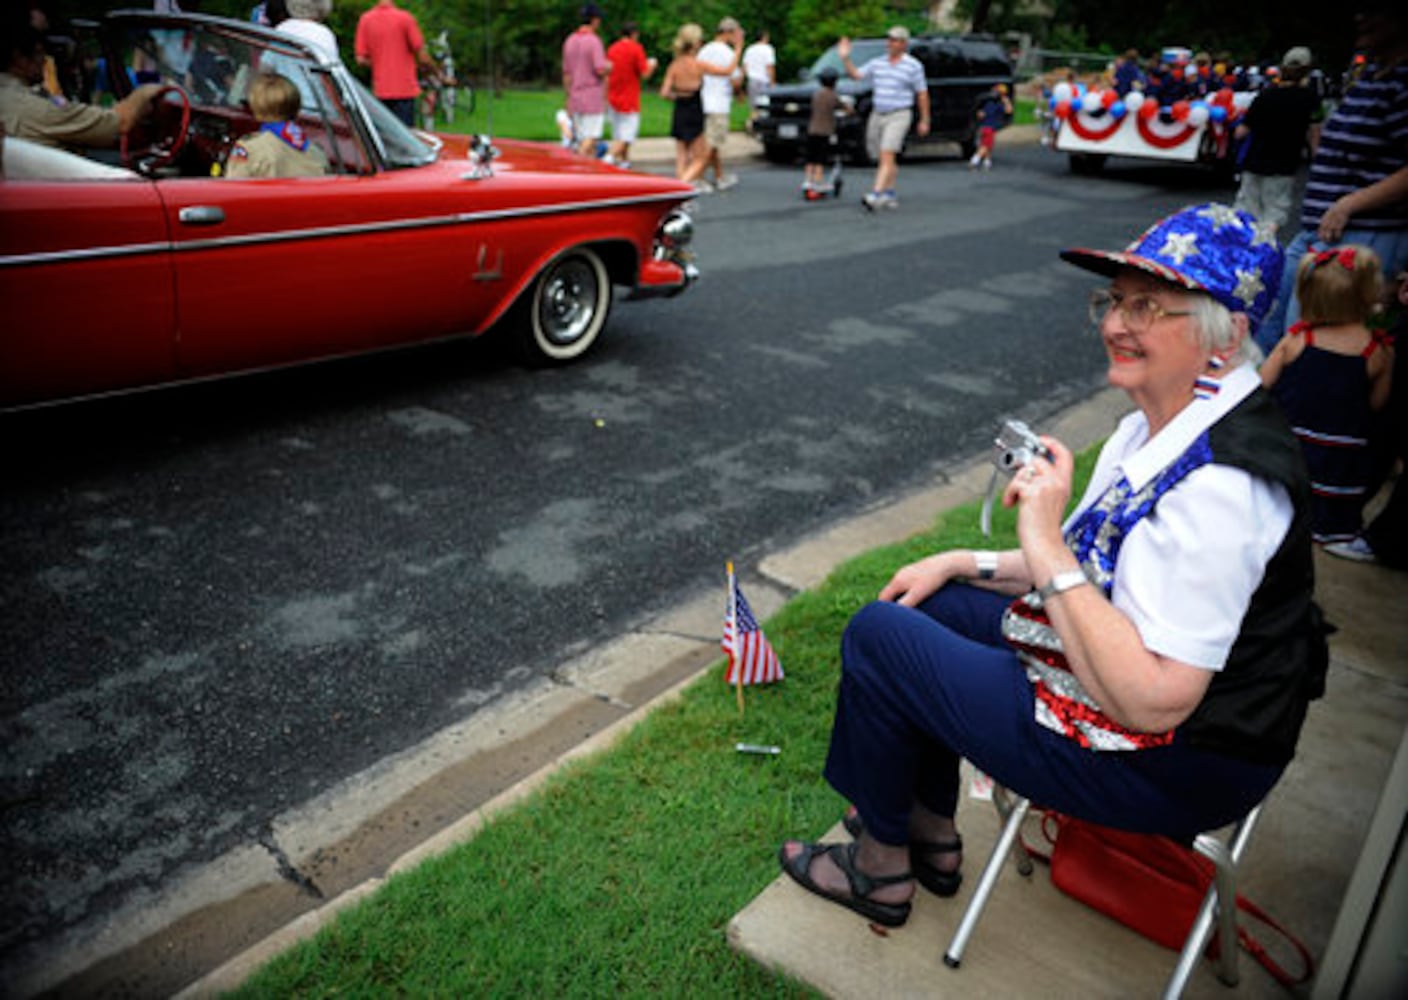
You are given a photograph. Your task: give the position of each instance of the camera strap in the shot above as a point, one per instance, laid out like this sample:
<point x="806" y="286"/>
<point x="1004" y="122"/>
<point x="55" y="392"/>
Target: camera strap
<point x="985" y="517"/>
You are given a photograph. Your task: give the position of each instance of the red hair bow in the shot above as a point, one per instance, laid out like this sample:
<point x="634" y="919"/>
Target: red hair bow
<point x="1345" y="255"/>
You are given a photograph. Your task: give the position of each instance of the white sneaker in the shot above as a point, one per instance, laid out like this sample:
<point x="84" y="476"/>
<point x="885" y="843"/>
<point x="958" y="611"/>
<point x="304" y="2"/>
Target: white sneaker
<point x="888" y="200"/>
<point x="702" y="186"/>
<point x="1356" y="549"/>
<point x="725" y="182"/>
<point x="872" y="200"/>
<point x="987" y="164"/>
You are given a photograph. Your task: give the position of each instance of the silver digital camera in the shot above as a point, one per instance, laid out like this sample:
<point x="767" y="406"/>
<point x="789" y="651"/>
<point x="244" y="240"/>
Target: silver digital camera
<point x="1015" y="446"/>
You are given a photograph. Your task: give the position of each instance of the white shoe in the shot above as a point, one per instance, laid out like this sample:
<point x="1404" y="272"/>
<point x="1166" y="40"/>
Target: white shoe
<point x="1356" y="549"/>
<point x="888" y="200"/>
<point x="871" y="200"/>
<point x="725" y="182"/>
<point x="987" y="164"/>
<point x="702" y="186"/>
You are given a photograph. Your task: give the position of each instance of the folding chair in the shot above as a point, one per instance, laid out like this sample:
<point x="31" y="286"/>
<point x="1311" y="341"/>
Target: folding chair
<point x="1224" y="854"/>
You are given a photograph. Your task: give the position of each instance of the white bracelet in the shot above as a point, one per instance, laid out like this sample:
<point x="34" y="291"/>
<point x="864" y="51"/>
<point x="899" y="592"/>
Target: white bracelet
<point x="1062" y="582"/>
<point x="987" y="564"/>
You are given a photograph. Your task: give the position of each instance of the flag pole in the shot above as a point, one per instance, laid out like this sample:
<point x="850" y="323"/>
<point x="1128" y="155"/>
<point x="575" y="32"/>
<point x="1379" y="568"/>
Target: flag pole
<point x="733" y="653"/>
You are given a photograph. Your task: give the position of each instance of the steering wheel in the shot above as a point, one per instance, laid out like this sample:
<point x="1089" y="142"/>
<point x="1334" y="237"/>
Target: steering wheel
<point x="171" y="122"/>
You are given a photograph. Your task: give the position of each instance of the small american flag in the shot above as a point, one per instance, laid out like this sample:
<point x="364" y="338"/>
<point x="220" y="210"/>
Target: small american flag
<point x="751" y="659"/>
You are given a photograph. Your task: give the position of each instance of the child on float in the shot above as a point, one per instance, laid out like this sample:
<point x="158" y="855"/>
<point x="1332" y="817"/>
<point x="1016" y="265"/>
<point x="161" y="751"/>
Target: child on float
<point x="1332" y="376"/>
<point x="279" y="148"/>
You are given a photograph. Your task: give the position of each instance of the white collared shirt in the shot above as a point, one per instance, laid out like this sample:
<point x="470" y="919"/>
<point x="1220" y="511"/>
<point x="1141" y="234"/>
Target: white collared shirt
<point x="1186" y="573"/>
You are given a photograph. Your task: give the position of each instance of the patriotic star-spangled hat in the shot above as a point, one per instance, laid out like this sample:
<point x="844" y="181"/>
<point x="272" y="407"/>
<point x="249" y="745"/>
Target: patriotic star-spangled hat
<point x="1206" y="248"/>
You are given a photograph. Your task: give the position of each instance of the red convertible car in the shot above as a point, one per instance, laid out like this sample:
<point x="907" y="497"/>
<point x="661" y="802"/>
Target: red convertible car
<point x="153" y="267"/>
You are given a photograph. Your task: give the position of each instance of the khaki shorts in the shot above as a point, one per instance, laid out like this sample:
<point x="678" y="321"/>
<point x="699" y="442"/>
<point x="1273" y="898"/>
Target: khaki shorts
<point x="625" y="125"/>
<point x="716" y="130"/>
<point x="588" y="126"/>
<point x="885" y="131"/>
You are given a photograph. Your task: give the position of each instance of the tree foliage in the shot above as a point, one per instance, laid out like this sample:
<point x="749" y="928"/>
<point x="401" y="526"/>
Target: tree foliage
<point x="523" y="38"/>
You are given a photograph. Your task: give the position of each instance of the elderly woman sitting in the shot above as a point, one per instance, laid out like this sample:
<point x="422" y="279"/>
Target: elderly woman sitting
<point x="1153" y="672"/>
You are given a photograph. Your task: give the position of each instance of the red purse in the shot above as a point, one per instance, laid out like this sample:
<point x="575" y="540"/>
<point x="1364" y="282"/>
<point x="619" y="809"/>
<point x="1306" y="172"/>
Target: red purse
<point x="1152" y="885"/>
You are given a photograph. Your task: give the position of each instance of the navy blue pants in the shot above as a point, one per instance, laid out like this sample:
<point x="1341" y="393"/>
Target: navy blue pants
<point x="922" y="687"/>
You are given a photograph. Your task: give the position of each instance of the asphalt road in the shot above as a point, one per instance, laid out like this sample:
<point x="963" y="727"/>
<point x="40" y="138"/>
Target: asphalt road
<point x="220" y="600"/>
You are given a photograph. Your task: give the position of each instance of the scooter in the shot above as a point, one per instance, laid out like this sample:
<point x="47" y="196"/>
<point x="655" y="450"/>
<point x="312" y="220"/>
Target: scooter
<point x="834" y="181"/>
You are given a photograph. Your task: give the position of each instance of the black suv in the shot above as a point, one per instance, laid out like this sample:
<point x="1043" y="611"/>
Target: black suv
<point x="959" y="69"/>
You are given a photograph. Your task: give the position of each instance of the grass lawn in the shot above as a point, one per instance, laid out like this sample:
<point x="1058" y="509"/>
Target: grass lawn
<point x="530" y="114"/>
<point x="619" y="876"/>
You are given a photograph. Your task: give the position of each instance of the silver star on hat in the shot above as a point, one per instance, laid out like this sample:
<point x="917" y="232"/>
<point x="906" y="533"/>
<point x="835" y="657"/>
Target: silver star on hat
<point x="1249" y="286"/>
<point x="1178" y="247"/>
<point x="1222" y="215"/>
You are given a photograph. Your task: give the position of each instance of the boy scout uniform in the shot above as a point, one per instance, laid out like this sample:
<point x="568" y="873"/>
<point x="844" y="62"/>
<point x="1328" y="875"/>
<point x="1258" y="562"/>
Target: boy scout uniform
<point x="39" y="118"/>
<point x="264" y="154"/>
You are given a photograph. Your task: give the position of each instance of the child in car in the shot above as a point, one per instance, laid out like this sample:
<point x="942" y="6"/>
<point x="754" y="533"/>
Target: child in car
<point x="279" y="148"/>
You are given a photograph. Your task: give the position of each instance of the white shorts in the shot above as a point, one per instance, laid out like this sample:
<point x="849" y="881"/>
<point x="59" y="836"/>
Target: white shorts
<point x="625" y="125"/>
<point x="588" y="126"/>
<point x="885" y="131"/>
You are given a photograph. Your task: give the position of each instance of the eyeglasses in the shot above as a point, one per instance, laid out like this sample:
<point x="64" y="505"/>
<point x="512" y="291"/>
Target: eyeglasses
<point x="1138" y="312"/>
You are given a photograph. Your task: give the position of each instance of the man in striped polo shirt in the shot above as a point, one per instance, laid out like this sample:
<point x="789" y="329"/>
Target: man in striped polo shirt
<point x="897" y="84"/>
<point x="1357" y="191"/>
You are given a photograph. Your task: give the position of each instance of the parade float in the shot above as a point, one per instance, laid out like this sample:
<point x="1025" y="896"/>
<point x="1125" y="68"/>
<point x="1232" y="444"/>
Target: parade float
<point x="1094" y="123"/>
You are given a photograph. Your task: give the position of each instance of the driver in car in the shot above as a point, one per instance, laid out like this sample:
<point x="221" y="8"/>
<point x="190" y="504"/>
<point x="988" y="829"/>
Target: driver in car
<point x="27" y="113"/>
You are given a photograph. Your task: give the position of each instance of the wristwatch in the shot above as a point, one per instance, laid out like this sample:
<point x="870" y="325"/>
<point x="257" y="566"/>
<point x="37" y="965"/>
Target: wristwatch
<point x="987" y="564"/>
<point x="1061" y="582"/>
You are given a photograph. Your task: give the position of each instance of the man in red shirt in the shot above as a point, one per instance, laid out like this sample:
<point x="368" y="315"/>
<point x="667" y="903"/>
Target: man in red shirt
<point x="390" y="42"/>
<point x="584" y="70"/>
<point x="629" y="66"/>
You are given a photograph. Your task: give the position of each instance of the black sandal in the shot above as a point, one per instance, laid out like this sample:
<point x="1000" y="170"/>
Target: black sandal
<point x="862" y="885"/>
<point x="940" y="883"/>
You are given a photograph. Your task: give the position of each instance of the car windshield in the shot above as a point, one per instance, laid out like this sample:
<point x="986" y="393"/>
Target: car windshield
<point x="401" y="146"/>
<point x="215" y="64"/>
<point x="861" y="53"/>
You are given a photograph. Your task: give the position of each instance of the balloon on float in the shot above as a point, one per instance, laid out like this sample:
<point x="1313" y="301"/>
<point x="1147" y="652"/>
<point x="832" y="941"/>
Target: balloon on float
<point x="1108" y="98"/>
<point x="1090" y="103"/>
<point x="1149" y="110"/>
<point x="1062" y="91"/>
<point x="1133" y="100"/>
<point x="1198" y="114"/>
<point x="1118" y="110"/>
<point x="1063" y="110"/>
<point x="1243" y="99"/>
<point x="1180" y="111"/>
<point x="1218" y="113"/>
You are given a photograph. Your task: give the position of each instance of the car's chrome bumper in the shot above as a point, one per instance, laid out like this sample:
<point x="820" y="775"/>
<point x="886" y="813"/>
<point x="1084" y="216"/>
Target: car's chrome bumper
<point x="671" y="268"/>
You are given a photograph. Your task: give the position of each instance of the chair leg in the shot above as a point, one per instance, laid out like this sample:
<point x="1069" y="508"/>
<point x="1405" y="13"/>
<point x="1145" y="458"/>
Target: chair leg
<point x="1016" y="812"/>
<point x="1219" y="904"/>
<point x="1005" y="801"/>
